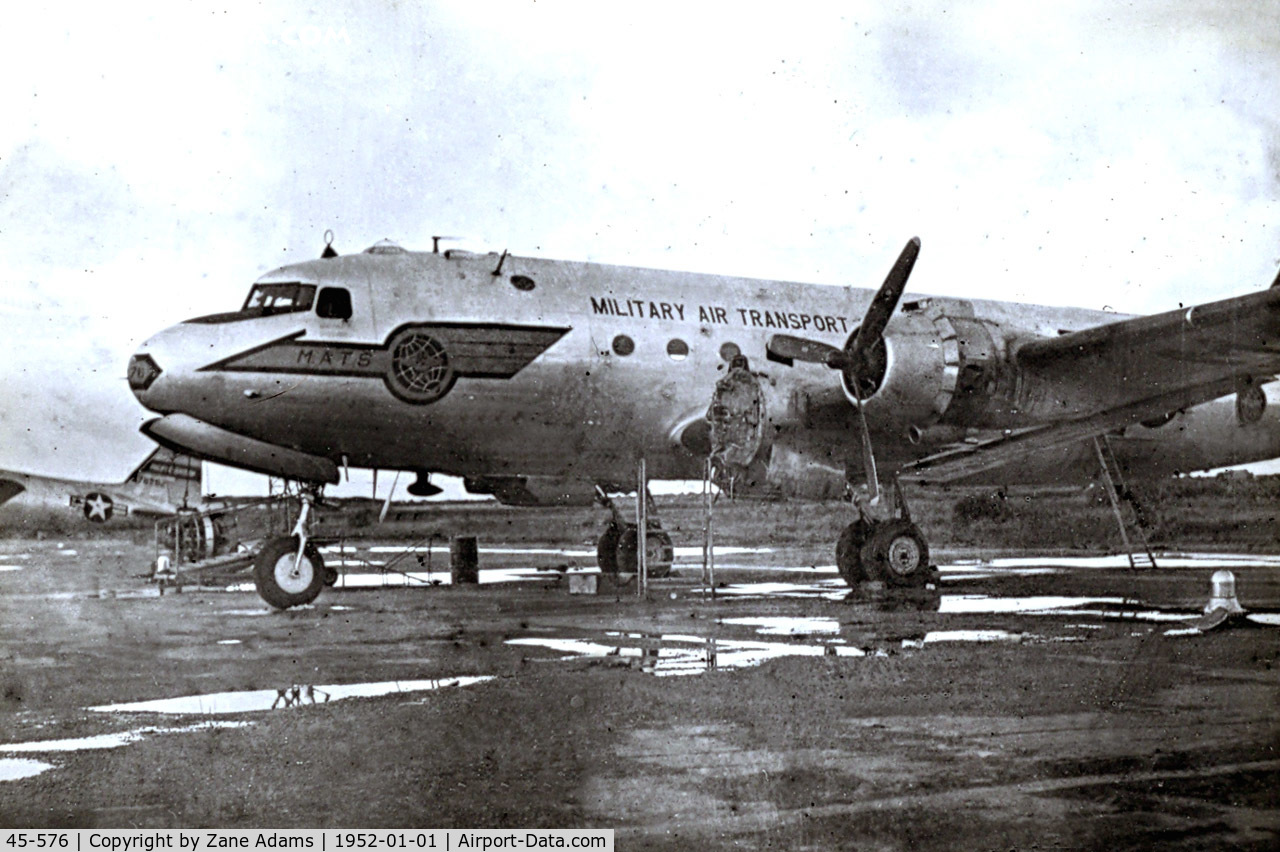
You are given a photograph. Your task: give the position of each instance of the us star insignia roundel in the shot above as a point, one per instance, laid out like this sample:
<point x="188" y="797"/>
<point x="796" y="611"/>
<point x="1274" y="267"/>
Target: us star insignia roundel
<point x="98" y="507"/>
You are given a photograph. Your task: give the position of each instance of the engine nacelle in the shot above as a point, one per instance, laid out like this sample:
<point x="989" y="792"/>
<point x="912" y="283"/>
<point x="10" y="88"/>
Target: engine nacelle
<point x="760" y="448"/>
<point x="934" y="364"/>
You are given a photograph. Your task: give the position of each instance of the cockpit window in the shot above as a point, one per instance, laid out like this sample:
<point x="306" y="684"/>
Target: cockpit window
<point x="334" y="303"/>
<point x="267" y="299"/>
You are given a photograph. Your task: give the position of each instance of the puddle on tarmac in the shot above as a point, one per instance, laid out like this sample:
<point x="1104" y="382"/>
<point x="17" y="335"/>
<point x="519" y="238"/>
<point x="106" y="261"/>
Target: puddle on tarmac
<point x="228" y="641"/>
<point x="106" y="741"/>
<point x="784" y="626"/>
<point x="17" y="768"/>
<point x="10" y="567"/>
<point x="971" y="636"/>
<point x="1104" y="607"/>
<point x="675" y="654"/>
<point x="834" y="590"/>
<point x="1037" y="605"/>
<point x="1270" y="618"/>
<point x="1164" y="560"/>
<point x="219" y="703"/>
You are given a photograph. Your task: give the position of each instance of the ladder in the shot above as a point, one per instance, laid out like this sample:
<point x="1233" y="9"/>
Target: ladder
<point x="1136" y="547"/>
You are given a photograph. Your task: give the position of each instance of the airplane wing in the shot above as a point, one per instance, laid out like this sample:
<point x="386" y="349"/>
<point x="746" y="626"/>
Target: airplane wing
<point x="1114" y="375"/>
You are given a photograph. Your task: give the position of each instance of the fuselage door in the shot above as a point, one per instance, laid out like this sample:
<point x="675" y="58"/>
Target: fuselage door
<point x="343" y="310"/>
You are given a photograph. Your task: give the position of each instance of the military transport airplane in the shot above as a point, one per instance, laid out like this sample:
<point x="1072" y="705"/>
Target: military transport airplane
<point x="164" y="483"/>
<point x="537" y="379"/>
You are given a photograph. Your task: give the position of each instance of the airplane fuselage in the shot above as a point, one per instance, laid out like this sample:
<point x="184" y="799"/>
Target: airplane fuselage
<point x="448" y="363"/>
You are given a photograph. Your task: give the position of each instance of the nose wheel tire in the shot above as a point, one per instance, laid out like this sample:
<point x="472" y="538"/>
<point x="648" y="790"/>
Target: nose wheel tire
<point x="659" y="552"/>
<point x="897" y="553"/>
<point x="282" y="579"/>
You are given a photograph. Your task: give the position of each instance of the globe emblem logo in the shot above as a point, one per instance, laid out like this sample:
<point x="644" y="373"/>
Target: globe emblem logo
<point x="420" y="369"/>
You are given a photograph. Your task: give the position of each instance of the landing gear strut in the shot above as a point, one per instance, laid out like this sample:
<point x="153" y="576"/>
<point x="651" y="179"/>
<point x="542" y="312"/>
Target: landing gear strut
<point x="890" y="549"/>
<point x="617" y="546"/>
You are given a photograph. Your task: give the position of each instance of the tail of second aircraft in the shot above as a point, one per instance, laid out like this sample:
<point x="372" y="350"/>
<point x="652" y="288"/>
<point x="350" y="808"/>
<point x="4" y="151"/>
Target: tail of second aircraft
<point x="167" y="478"/>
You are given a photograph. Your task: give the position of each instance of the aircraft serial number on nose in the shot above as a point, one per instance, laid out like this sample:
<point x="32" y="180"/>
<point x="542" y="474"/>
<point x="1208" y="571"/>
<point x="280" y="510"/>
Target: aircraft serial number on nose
<point x="718" y="315"/>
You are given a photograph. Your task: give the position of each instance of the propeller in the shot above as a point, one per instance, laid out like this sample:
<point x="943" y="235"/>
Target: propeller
<point x="855" y="361"/>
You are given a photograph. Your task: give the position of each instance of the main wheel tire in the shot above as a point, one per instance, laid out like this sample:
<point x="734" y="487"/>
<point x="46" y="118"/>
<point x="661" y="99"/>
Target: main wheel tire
<point x="659" y="552"/>
<point x="849" y="552"/>
<point x="607" y="549"/>
<point x="898" y="554"/>
<point x="276" y="579"/>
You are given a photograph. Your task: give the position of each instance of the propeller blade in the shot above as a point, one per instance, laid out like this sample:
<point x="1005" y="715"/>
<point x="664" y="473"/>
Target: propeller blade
<point x="786" y="349"/>
<point x="868" y="455"/>
<point x="885" y="302"/>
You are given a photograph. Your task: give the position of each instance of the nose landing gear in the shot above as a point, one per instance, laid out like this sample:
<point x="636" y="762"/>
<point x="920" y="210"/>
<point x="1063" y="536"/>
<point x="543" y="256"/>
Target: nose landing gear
<point x="289" y="571"/>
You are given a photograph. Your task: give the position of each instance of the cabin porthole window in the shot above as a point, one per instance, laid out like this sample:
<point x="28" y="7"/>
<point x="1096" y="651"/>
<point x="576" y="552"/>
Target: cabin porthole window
<point x="677" y="349"/>
<point x="729" y="351"/>
<point x="623" y="345"/>
<point x="522" y="282"/>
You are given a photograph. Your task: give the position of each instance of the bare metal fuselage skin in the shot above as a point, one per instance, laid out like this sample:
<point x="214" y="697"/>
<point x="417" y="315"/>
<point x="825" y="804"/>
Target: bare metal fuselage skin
<point x="574" y="370"/>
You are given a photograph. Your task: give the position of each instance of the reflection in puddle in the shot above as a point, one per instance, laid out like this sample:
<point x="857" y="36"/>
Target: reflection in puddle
<point x="17" y="768"/>
<point x="1032" y="605"/>
<point x="105" y="741"/>
<point x="1119" y="608"/>
<point x="218" y="703"/>
<point x="783" y="626"/>
<point x="228" y="641"/>
<point x="675" y="654"/>
<point x="834" y="590"/>
<point x="10" y="567"/>
<point x="971" y="636"/>
<point x="1165" y="560"/>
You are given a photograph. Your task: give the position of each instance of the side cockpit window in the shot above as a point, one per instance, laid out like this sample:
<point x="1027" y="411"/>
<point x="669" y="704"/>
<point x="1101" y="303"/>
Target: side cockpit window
<point x="267" y="299"/>
<point x="334" y="303"/>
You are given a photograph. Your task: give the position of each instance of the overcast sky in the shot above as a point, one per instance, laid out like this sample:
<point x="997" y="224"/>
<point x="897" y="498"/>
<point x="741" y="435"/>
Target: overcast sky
<point x="156" y="158"/>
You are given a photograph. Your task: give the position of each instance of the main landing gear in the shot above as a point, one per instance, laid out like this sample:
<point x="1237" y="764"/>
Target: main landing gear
<point x="616" y="550"/>
<point x="889" y="549"/>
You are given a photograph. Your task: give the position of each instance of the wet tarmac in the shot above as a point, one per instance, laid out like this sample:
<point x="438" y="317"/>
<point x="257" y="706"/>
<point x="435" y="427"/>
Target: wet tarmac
<point x="94" y="678"/>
